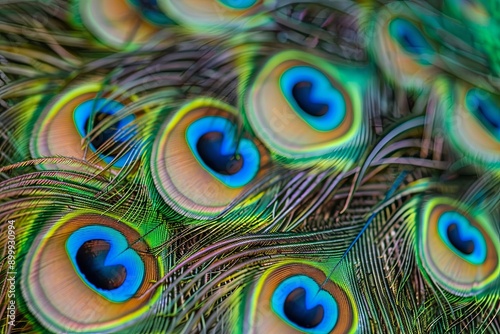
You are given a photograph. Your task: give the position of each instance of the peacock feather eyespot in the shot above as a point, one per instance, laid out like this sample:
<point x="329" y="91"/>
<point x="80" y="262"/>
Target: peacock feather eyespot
<point x="91" y="113"/>
<point x="471" y="117"/>
<point x="214" y="16"/>
<point x="117" y="23"/>
<point x="200" y="163"/>
<point x="459" y="249"/>
<point x="90" y="257"/>
<point x="304" y="89"/>
<point x="306" y="110"/>
<point x="296" y="297"/>
<point x="93" y="129"/>
<point x="402" y="48"/>
<point x="411" y="39"/>
<point x="453" y="228"/>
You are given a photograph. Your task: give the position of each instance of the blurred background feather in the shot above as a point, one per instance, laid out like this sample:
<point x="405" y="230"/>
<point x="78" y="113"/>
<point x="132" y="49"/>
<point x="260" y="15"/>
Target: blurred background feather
<point x="250" y="166"/>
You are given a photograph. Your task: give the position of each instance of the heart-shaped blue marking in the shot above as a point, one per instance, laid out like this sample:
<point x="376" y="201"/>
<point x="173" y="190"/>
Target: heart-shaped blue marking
<point x="119" y="132"/>
<point x="483" y="107"/>
<point x="104" y="260"/>
<point x="462" y="237"/>
<point x="213" y="141"/>
<point x="313" y="97"/>
<point x="300" y="302"/>
<point x="411" y="40"/>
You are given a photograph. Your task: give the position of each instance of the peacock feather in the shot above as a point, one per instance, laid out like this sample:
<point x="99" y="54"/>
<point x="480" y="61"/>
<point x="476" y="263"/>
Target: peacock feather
<point x="224" y="166"/>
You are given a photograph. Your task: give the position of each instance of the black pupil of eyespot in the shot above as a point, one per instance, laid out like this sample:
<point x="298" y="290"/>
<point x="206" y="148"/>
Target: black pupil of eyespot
<point x="209" y="149"/>
<point x="102" y="142"/>
<point x="464" y="246"/>
<point x="301" y="92"/>
<point x="297" y="311"/>
<point x="90" y="259"/>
